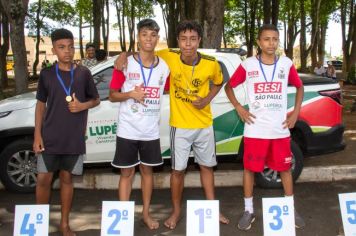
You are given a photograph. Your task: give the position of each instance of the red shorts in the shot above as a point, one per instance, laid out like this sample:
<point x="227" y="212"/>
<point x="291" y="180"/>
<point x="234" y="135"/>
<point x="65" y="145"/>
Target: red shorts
<point x="274" y="153"/>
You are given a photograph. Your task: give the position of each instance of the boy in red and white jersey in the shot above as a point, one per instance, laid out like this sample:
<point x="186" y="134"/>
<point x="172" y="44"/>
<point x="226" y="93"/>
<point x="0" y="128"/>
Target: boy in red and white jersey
<point x="266" y="132"/>
<point x="139" y="90"/>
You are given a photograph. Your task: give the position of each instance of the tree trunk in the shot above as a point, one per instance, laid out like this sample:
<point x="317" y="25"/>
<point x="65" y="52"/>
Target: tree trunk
<point x="16" y="12"/>
<point x="275" y="12"/>
<point x="266" y="11"/>
<point x="315" y="31"/>
<point x="172" y="20"/>
<point x="302" y="39"/>
<point x="38" y="37"/>
<point x="105" y="23"/>
<point x="97" y="22"/>
<point x="4" y="47"/>
<point x="321" y="43"/>
<point x="121" y="23"/>
<point x="131" y="25"/>
<point x="106" y="45"/>
<point x="213" y="24"/>
<point x="251" y="42"/>
<point x="81" y="49"/>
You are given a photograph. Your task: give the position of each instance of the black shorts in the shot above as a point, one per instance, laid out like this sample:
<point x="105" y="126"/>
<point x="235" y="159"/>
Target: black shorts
<point x="130" y="153"/>
<point x="47" y="163"/>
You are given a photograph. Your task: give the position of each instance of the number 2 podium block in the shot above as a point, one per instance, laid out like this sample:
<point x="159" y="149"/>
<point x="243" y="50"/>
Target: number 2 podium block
<point x="118" y="218"/>
<point x="203" y="218"/>
<point x="31" y="220"/>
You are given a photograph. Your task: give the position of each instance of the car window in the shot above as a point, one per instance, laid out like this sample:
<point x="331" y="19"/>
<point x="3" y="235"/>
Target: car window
<point x="102" y="82"/>
<point x="224" y="71"/>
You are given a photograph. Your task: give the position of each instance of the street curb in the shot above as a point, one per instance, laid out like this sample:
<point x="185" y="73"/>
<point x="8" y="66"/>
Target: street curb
<point x="223" y="178"/>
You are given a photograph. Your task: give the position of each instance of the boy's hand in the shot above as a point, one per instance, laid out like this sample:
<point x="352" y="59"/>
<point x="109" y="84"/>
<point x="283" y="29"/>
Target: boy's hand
<point x="75" y="105"/>
<point x="290" y="121"/>
<point x="200" y="103"/>
<point x="245" y="115"/>
<point x="138" y="94"/>
<point x="38" y="146"/>
<point x="121" y="61"/>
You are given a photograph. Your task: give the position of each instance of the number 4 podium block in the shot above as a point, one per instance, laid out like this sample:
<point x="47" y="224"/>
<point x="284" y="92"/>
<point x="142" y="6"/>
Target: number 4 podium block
<point x="203" y="218"/>
<point x="278" y="216"/>
<point x="118" y="218"/>
<point x="31" y="220"/>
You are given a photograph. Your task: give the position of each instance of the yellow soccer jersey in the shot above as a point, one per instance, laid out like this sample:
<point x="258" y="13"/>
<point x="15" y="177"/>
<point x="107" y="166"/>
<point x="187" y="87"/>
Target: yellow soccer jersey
<point x="186" y="84"/>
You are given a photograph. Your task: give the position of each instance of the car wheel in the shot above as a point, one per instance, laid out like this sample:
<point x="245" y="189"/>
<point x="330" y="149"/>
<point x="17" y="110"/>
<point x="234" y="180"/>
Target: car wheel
<point x="271" y="179"/>
<point x="18" y="166"/>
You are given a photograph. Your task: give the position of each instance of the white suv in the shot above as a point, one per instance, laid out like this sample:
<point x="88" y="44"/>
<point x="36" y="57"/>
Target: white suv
<point x="18" y="162"/>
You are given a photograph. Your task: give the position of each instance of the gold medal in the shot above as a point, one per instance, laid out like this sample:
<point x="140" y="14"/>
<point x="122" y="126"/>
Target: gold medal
<point x="68" y="98"/>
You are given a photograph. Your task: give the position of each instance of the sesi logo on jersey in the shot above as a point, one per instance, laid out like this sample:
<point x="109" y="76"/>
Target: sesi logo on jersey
<point x="269" y="87"/>
<point x="152" y="92"/>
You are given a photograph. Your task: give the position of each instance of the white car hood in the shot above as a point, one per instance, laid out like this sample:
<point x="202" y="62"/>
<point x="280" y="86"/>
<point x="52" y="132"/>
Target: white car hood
<point x="22" y="101"/>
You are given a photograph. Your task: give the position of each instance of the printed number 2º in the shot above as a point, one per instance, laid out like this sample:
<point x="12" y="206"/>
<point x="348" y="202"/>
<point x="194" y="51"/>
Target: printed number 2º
<point x="277" y="217"/>
<point x="352" y="220"/>
<point x="117" y="214"/>
<point x="30" y="231"/>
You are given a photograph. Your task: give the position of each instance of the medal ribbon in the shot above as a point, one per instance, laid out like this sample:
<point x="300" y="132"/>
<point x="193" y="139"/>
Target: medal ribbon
<point x="263" y="72"/>
<point x="143" y="74"/>
<point x="67" y="91"/>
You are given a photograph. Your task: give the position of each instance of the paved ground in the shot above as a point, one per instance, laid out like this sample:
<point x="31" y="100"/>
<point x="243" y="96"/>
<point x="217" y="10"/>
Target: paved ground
<point x="316" y="202"/>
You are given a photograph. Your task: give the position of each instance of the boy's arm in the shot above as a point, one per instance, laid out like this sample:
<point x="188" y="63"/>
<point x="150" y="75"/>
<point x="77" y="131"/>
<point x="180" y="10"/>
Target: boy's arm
<point x="38" y="146"/>
<point x="77" y="106"/>
<point x="293" y="116"/>
<point x="200" y="102"/>
<point x="121" y="61"/>
<point x="244" y="114"/>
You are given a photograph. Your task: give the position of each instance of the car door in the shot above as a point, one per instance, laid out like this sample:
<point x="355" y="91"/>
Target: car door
<point x="228" y="127"/>
<point x="102" y="121"/>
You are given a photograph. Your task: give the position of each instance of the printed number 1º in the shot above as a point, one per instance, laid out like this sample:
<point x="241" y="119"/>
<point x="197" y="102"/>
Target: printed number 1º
<point x="200" y="212"/>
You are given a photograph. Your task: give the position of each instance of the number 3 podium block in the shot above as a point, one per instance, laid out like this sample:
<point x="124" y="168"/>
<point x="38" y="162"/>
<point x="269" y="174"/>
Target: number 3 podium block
<point x="31" y="220"/>
<point x="278" y="216"/>
<point x="203" y="218"/>
<point x="348" y="212"/>
<point x="118" y="218"/>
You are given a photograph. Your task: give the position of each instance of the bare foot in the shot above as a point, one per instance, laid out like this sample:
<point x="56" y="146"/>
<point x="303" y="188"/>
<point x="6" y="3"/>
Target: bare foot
<point x="172" y="221"/>
<point x="223" y="219"/>
<point x="150" y="223"/>
<point x="66" y="231"/>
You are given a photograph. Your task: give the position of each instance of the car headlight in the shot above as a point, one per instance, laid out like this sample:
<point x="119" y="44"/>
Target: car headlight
<point x="4" y="114"/>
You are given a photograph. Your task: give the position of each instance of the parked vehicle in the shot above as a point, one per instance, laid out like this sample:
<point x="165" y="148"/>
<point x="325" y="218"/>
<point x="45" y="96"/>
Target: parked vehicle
<point x="336" y="63"/>
<point x="318" y="130"/>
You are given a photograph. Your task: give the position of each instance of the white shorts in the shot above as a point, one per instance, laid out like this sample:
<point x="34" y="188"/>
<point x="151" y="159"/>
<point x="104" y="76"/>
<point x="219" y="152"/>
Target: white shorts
<point x="202" y="141"/>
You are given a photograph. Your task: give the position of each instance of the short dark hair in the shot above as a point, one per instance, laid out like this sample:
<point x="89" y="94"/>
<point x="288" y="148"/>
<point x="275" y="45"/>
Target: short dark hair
<point x="89" y="45"/>
<point x="266" y="27"/>
<point x="61" y="34"/>
<point x="100" y="54"/>
<point x="189" y="25"/>
<point x="149" y="24"/>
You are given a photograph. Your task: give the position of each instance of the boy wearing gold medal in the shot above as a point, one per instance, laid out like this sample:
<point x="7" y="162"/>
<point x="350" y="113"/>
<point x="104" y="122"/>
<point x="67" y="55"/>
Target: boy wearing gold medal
<point x="65" y="93"/>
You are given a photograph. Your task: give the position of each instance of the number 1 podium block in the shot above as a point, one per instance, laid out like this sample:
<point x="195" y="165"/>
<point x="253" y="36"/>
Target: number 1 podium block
<point x="31" y="220"/>
<point x="118" y="218"/>
<point x="278" y="216"/>
<point x="203" y="218"/>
